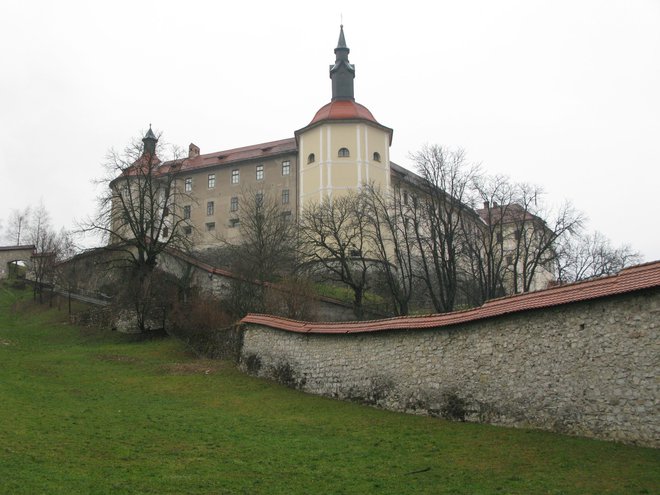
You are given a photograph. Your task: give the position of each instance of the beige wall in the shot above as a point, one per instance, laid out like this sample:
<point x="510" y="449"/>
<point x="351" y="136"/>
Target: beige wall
<point x="273" y="183"/>
<point x="331" y="174"/>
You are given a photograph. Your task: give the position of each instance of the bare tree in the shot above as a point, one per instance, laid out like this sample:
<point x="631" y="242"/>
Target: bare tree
<point x="46" y="249"/>
<point x="487" y="238"/>
<point x="537" y="231"/>
<point x="394" y="243"/>
<point x="66" y="269"/>
<point x="141" y="214"/>
<point x="582" y="257"/>
<point x="17" y="225"/>
<point x="438" y="216"/>
<point x="264" y="252"/>
<point x="335" y="242"/>
<point x="267" y="240"/>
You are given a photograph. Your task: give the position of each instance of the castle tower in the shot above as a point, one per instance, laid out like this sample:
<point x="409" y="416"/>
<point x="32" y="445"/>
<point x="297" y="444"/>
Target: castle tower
<point x="344" y="146"/>
<point x="149" y="141"/>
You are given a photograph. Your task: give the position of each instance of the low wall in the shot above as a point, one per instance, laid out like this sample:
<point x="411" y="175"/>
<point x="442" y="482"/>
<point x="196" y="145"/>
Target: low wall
<point x="585" y="368"/>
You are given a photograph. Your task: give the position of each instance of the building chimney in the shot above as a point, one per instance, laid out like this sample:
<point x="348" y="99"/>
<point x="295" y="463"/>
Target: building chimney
<point x="486" y="205"/>
<point x="193" y="151"/>
<point x="494" y="204"/>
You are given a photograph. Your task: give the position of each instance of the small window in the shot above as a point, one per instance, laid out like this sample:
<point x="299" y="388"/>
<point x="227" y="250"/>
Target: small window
<point x="376" y="156"/>
<point x="210" y="226"/>
<point x="188" y="186"/>
<point x="311" y="158"/>
<point x="499" y="237"/>
<point x="259" y="199"/>
<point x="286" y="215"/>
<point x="210" y="207"/>
<point x="234" y="204"/>
<point x="260" y="172"/>
<point x="355" y="253"/>
<point x="166" y="232"/>
<point x="234" y="222"/>
<point x="285" y="197"/>
<point x="211" y="181"/>
<point x="235" y="177"/>
<point x="166" y="211"/>
<point x="186" y="212"/>
<point x="187" y="230"/>
<point x="343" y="153"/>
<point x="509" y="260"/>
<point x="517" y="235"/>
<point x="405" y="198"/>
<point x="286" y="167"/>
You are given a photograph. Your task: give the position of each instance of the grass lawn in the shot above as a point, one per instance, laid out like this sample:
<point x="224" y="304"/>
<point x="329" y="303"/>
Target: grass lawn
<point x="85" y="411"/>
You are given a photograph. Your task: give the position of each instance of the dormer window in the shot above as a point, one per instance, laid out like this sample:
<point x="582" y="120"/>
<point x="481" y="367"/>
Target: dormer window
<point x="311" y="158"/>
<point x="376" y="156"/>
<point x="343" y="153"/>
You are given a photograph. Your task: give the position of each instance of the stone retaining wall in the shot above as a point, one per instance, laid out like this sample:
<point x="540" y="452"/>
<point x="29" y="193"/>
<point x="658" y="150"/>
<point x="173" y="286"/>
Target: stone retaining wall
<point x="586" y="368"/>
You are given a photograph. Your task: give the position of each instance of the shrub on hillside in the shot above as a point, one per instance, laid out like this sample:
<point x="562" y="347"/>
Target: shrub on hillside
<point x="200" y="313"/>
<point x="206" y="326"/>
<point x="292" y="298"/>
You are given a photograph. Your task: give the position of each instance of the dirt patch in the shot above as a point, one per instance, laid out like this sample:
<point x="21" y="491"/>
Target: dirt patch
<point x="202" y="367"/>
<point x="120" y="358"/>
<point x="6" y="342"/>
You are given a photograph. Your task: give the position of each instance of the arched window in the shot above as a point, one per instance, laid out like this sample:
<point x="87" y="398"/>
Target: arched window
<point x="343" y="153"/>
<point x="376" y="156"/>
<point x="311" y="158"/>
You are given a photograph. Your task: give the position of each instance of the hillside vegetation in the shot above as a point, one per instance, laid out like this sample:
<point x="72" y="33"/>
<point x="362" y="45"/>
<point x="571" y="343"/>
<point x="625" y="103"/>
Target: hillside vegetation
<point x="84" y="411"/>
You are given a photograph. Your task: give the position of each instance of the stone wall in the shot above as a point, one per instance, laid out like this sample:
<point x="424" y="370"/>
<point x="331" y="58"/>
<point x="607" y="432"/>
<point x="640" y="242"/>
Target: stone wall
<point x="585" y="368"/>
<point x="9" y="254"/>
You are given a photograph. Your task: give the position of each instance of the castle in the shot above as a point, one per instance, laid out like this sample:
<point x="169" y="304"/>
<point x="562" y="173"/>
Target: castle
<point x="339" y="151"/>
<point x="342" y="148"/>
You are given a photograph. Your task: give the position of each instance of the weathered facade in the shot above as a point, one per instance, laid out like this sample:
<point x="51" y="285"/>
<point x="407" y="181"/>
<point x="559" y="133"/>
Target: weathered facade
<point x="11" y="254"/>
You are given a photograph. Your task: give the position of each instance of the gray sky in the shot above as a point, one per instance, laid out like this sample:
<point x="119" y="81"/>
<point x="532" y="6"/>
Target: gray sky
<point x="564" y="94"/>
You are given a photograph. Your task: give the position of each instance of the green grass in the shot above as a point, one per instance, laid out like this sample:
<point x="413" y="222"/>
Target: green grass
<point x="345" y="294"/>
<point x="85" y="411"/>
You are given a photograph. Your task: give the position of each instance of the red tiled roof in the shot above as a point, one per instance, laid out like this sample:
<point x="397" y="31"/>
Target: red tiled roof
<point x="253" y="152"/>
<point x="343" y="110"/>
<point x="631" y="279"/>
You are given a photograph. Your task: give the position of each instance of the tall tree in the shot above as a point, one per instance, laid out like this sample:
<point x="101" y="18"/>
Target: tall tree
<point x="394" y="246"/>
<point x="18" y="225"/>
<point x="266" y="247"/>
<point x="141" y="214"/>
<point x="47" y="246"/>
<point x="537" y="232"/>
<point x="438" y="216"/>
<point x="335" y="242"/>
<point x="488" y="238"/>
<point x="264" y="252"/>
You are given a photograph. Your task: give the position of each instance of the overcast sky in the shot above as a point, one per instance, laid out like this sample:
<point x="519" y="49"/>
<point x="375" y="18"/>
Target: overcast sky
<point x="565" y="94"/>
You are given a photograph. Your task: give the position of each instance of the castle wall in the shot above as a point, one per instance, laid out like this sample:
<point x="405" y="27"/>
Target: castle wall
<point x="586" y="368"/>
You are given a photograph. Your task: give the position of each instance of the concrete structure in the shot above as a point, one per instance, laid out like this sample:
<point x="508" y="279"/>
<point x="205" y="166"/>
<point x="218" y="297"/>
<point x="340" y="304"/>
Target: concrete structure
<point x="580" y="359"/>
<point x="11" y="254"/>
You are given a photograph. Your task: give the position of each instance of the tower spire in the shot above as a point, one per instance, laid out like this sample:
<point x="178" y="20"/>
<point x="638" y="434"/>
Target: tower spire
<point x="342" y="72"/>
<point x="149" y="141"/>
